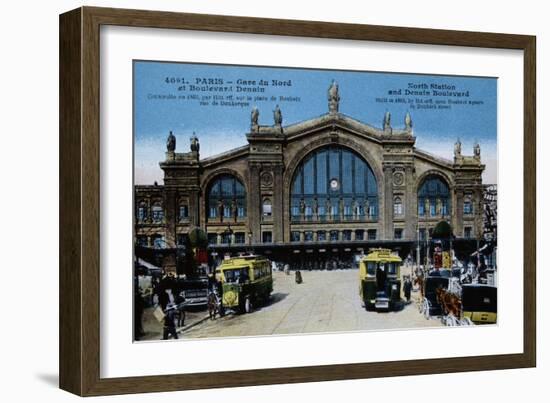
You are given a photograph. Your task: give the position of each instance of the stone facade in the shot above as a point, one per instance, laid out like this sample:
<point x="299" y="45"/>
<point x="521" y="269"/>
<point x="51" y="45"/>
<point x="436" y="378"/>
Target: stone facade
<point x="267" y="165"/>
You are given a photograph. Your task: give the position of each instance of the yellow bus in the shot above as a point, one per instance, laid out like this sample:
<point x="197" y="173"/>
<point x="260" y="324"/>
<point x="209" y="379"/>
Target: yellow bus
<point x="246" y="282"/>
<point x="380" y="282"/>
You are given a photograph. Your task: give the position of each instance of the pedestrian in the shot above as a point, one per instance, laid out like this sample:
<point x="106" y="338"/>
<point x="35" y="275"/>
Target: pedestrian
<point x="287" y="269"/>
<point x="170" y="322"/>
<point x="407" y="287"/>
<point x="298" y="277"/>
<point x="138" y="313"/>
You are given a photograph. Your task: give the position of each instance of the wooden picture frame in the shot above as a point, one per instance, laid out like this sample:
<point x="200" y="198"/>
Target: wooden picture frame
<point x="80" y="199"/>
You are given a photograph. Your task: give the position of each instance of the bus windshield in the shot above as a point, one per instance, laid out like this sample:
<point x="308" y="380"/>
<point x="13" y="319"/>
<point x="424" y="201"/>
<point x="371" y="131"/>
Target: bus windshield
<point x="236" y="275"/>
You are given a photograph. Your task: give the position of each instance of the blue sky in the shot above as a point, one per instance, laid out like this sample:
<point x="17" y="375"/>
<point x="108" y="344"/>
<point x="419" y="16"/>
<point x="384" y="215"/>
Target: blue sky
<point x="221" y="128"/>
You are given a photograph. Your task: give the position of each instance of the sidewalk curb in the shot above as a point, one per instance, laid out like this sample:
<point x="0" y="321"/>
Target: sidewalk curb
<point x="185" y="328"/>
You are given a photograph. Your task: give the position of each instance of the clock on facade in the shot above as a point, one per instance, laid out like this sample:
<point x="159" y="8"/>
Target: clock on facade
<point x="334" y="184"/>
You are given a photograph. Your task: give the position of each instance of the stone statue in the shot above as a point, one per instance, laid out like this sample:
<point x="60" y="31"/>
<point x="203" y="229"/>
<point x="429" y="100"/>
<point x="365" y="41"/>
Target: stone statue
<point x="354" y="208"/>
<point x="277" y="116"/>
<point x="387" y="121"/>
<point x="438" y="205"/>
<point x="408" y="122"/>
<point x="171" y="142"/>
<point x="366" y="208"/>
<point x="302" y="207"/>
<point x="477" y="151"/>
<point x="458" y="148"/>
<point x="195" y="146"/>
<point x="341" y="207"/>
<point x="254" y="115"/>
<point x="333" y="98"/>
<point x="221" y="209"/>
<point x="315" y="207"/>
<point x="328" y="207"/>
<point x="426" y="207"/>
<point x="234" y="210"/>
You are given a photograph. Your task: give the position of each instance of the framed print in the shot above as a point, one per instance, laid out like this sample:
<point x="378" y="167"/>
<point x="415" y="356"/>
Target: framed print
<point x="273" y="201"/>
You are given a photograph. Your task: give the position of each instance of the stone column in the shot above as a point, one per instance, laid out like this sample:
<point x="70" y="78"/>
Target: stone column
<point x="458" y="222"/>
<point x="170" y="217"/>
<point x="411" y="204"/>
<point x="278" y="207"/>
<point x="478" y="211"/>
<point x="254" y="202"/>
<point x="194" y="208"/>
<point x="388" y="204"/>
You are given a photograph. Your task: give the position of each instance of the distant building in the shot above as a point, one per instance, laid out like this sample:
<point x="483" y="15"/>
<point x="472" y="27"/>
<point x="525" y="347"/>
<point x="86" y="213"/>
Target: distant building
<point x="329" y="185"/>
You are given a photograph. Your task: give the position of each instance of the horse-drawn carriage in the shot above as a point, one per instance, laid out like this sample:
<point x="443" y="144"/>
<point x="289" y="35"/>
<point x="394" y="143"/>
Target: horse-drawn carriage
<point x="457" y="304"/>
<point x="479" y="303"/>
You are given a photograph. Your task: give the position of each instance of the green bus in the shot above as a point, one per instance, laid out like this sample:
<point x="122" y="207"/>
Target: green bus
<point x="380" y="282"/>
<point x="246" y="281"/>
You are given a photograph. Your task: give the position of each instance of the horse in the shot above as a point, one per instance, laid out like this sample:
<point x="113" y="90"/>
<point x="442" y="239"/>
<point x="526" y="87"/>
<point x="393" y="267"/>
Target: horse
<point x="451" y="304"/>
<point x="419" y="281"/>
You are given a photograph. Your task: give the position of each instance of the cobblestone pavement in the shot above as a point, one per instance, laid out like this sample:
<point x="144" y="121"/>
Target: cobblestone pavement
<point x="327" y="301"/>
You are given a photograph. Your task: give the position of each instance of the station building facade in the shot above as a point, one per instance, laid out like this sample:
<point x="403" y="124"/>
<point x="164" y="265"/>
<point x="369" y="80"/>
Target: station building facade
<point x="332" y="184"/>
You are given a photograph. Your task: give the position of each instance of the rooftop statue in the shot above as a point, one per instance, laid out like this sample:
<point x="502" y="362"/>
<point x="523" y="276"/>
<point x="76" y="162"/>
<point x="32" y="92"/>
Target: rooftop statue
<point x="408" y="122"/>
<point x="387" y="121"/>
<point x="477" y="150"/>
<point x="254" y="115"/>
<point x="277" y="116"/>
<point x="194" y="140"/>
<point x="171" y="142"/>
<point x="333" y="97"/>
<point x="458" y="148"/>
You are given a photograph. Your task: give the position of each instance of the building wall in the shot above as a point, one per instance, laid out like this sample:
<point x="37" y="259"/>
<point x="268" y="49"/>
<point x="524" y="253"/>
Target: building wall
<point x="267" y="166"/>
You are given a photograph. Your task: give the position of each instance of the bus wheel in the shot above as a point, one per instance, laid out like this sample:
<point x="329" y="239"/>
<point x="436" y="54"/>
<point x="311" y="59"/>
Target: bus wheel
<point x="247" y="305"/>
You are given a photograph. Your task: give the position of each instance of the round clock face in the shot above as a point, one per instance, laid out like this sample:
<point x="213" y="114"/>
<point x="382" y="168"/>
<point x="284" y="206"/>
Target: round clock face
<point x="334" y="184"/>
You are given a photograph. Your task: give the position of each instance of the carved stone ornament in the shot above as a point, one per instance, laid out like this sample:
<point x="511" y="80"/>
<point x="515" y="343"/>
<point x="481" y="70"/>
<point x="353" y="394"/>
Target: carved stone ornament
<point x="398" y="178"/>
<point x="266" y="179"/>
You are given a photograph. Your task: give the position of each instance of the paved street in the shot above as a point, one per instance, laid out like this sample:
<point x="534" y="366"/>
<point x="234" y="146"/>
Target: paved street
<point x="327" y="301"/>
<point x="153" y="328"/>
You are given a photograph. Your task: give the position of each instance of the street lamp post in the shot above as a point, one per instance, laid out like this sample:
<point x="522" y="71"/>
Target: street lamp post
<point x="228" y="233"/>
<point x="417" y="245"/>
<point x="250" y="242"/>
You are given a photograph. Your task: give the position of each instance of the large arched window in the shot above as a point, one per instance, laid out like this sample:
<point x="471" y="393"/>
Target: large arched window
<point x="334" y="183"/>
<point x="433" y="197"/>
<point x="226" y="198"/>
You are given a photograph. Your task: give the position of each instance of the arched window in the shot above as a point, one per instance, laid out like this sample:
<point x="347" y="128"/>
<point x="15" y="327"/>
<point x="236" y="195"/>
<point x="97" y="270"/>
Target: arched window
<point x="141" y="212"/>
<point x="397" y="207"/>
<point x="433" y="197"/>
<point x="226" y="198"/>
<point x="183" y="212"/>
<point x="157" y="212"/>
<point x="158" y="241"/>
<point x="266" y="208"/>
<point x="468" y="206"/>
<point x="334" y="183"/>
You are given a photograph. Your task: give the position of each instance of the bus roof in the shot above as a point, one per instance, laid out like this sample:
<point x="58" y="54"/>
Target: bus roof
<point x="241" y="260"/>
<point x="381" y="254"/>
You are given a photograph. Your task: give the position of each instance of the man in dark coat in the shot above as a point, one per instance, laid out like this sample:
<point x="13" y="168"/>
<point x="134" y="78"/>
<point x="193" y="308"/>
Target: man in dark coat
<point x="407" y="287"/>
<point x="170" y="322"/>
